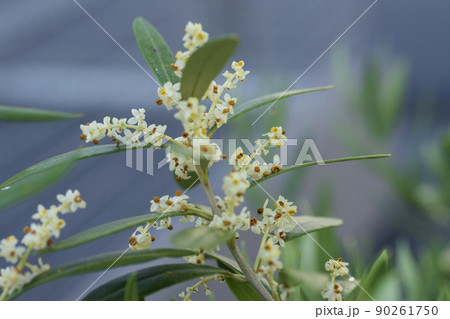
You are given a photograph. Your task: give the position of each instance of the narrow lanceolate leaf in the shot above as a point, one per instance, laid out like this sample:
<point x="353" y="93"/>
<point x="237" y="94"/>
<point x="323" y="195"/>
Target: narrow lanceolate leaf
<point x="27" y="114"/>
<point x="12" y="193"/>
<point x="307" y="224"/>
<point x="109" y="229"/>
<point x="336" y="160"/>
<point x="202" y="237"/>
<point x="242" y="291"/>
<point x="248" y="106"/>
<point x="64" y="158"/>
<point x="131" y="289"/>
<point x="101" y="262"/>
<point x="378" y="270"/>
<point x="152" y="279"/>
<point x="205" y="64"/>
<point x="155" y="50"/>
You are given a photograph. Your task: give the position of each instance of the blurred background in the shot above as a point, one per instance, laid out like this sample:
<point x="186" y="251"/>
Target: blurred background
<point x="391" y="77"/>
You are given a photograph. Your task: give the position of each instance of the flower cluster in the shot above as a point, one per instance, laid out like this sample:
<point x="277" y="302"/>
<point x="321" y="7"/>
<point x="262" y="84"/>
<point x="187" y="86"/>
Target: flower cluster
<point x="141" y="238"/>
<point x="334" y="290"/>
<point x="37" y="236"/>
<point x="256" y="168"/>
<point x="132" y="132"/>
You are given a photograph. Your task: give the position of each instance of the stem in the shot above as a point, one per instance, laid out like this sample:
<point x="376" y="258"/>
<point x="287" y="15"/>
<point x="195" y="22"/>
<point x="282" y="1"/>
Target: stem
<point x="4" y="294"/>
<point x="247" y="270"/>
<point x="263" y="242"/>
<point x="252" y="278"/>
<point x="204" y="180"/>
<point x="273" y="287"/>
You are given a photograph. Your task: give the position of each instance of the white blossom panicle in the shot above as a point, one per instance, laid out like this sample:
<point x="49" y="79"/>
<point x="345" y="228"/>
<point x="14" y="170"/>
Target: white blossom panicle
<point x="37" y="236"/>
<point x="337" y="268"/>
<point x="132" y="132"/>
<point x="166" y="203"/>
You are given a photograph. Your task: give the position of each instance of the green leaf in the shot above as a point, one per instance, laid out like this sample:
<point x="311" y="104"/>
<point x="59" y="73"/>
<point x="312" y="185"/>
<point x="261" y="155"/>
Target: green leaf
<point x="109" y="229"/>
<point x="101" y="262"/>
<point x="295" y="277"/>
<point x="242" y="291"/>
<point x="153" y="279"/>
<point x="155" y="50"/>
<point x="202" y="237"/>
<point x="188" y="183"/>
<point x="408" y="272"/>
<point x="65" y="158"/>
<point x="27" y="114"/>
<point x="205" y="64"/>
<point x="12" y="193"/>
<point x="266" y="99"/>
<point x="378" y="270"/>
<point x="131" y="289"/>
<point x="336" y="160"/>
<point x="308" y="224"/>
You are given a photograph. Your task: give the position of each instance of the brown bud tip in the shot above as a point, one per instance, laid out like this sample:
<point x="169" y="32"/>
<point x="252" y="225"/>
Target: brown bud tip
<point x="95" y="141"/>
<point x="184" y="207"/>
<point x="185" y="134"/>
<point x="224" y="156"/>
<point x="153" y="238"/>
<point x="49" y="242"/>
<point x="159" y="101"/>
<point x="156" y="199"/>
<point x="178" y="193"/>
<point x="253" y="221"/>
<point x="170" y="227"/>
<point x="113" y="139"/>
<point x="260" y="211"/>
<point x="132" y="241"/>
<point x="83" y="136"/>
<point x="26" y="229"/>
<point x="266" y="173"/>
<point x="284" y="132"/>
<point x="118" y="143"/>
<point x="339" y="260"/>
<point x="257" y="169"/>
<point x="169" y="202"/>
<point x="178" y="179"/>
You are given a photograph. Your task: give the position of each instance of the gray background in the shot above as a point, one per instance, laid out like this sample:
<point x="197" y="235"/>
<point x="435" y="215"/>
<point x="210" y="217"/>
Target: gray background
<point x="53" y="56"/>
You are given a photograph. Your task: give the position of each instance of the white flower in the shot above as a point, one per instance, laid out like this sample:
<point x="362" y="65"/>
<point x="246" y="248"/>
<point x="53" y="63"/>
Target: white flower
<point x="337" y="267"/>
<point x="235" y="185"/>
<point x="71" y="201"/>
<point x="230" y="102"/>
<point x="165" y="223"/>
<point x="38" y="236"/>
<point x="9" y="250"/>
<point x="276" y="136"/>
<point x="169" y="95"/>
<point x="195" y="259"/>
<point x="138" y="117"/>
<point x="195" y="36"/>
<point x="270" y="257"/>
<point x="333" y="292"/>
<point x="13" y="280"/>
<point x="239" y="71"/>
<point x="141" y="239"/>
